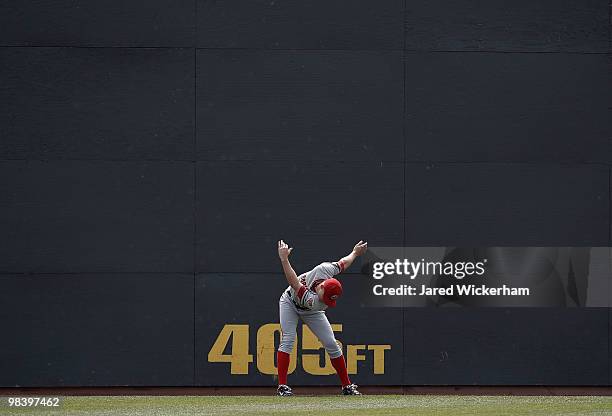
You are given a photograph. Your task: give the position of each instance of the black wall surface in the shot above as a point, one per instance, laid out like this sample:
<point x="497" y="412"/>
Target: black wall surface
<point x="152" y="152"/>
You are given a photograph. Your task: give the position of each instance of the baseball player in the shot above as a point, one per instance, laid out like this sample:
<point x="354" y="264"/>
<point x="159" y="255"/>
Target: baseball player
<point x="307" y="297"/>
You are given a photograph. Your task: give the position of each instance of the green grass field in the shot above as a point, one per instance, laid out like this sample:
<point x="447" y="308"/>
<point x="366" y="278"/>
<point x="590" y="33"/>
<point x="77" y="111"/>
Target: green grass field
<point x="328" y="405"/>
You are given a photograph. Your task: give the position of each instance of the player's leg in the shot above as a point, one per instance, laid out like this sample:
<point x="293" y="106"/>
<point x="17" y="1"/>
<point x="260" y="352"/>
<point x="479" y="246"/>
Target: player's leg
<point x="320" y="326"/>
<point x="288" y="321"/>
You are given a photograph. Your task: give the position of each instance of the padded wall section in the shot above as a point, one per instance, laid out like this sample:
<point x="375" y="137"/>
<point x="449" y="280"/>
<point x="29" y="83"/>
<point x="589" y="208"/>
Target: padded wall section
<point x="495" y="346"/>
<point x="508" y="107"/>
<point x="506" y="205"/>
<point x="79" y="23"/>
<point x="609" y="349"/>
<point x="253" y="300"/>
<point x="61" y="216"/>
<point x="295" y="24"/>
<point x="96" y="330"/>
<point x="322" y="209"/>
<point x="520" y="25"/>
<point x="97" y="103"/>
<point x="152" y="154"/>
<point x="300" y="105"/>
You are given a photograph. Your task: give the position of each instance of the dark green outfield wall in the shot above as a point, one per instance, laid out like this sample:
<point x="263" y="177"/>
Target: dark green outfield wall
<point x="152" y="152"/>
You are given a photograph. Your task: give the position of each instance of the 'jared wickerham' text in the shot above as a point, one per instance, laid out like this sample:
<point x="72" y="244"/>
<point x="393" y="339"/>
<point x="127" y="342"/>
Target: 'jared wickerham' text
<point x="460" y="290"/>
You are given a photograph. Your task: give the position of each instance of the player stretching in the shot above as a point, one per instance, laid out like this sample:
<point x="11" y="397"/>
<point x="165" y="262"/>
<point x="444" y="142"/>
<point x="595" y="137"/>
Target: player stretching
<point x="307" y="297"/>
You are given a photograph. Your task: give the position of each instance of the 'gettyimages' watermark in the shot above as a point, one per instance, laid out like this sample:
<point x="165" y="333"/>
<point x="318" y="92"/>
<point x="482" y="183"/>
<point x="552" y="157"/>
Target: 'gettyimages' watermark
<point x="457" y="270"/>
<point x="486" y="276"/>
<point x="413" y="269"/>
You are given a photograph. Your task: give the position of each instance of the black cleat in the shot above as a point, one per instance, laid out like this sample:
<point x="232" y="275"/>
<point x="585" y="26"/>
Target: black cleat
<point x="350" y="390"/>
<point x="284" y="390"/>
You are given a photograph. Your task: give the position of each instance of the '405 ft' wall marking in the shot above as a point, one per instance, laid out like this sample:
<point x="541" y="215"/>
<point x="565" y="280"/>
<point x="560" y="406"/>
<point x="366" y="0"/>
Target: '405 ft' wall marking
<point x="240" y="358"/>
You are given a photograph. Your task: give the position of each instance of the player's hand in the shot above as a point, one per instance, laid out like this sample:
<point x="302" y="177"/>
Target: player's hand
<point x="284" y="250"/>
<point x="360" y="248"/>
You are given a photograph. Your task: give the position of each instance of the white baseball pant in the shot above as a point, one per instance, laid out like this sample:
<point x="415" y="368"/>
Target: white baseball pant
<point x="316" y="321"/>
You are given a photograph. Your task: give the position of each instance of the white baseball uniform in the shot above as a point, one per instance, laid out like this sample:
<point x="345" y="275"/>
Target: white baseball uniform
<point x="305" y="303"/>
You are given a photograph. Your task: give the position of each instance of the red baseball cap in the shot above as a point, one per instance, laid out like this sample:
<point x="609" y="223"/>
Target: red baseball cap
<point x="332" y="289"/>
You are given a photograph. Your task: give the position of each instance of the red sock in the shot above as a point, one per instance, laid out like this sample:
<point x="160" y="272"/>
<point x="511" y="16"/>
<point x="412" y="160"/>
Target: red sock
<point x="282" y="362"/>
<point x="340" y="367"/>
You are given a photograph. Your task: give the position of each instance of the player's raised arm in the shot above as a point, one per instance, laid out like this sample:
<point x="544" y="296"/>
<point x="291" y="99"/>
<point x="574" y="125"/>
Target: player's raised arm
<point x="283" y="253"/>
<point x="358" y="250"/>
